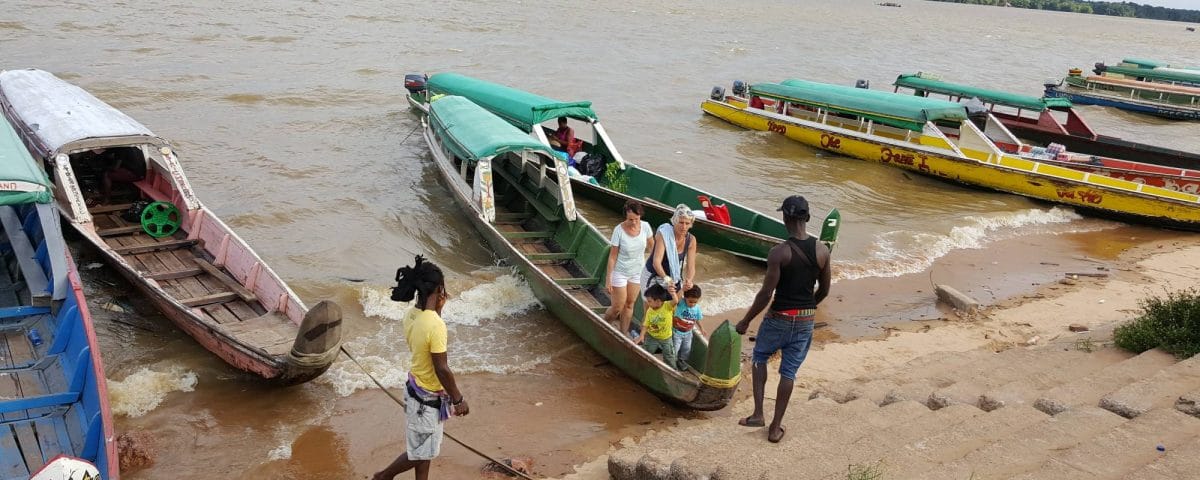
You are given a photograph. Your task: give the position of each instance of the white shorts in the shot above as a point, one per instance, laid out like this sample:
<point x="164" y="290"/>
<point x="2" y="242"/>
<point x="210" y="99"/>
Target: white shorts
<point x="620" y="280"/>
<point x="423" y="435"/>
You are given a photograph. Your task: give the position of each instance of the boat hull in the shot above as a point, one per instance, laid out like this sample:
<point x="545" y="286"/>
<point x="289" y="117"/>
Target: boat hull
<point x="656" y="376"/>
<point x="1104" y="145"/>
<point x="1158" y="110"/>
<point x="945" y="165"/>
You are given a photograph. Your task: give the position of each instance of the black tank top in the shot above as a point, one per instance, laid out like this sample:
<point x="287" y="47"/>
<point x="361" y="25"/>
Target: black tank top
<point x="798" y="278"/>
<point x="666" y="264"/>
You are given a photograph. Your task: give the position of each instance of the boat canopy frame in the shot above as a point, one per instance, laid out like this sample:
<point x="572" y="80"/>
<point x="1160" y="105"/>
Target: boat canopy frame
<point x="516" y="106"/>
<point x="887" y="108"/>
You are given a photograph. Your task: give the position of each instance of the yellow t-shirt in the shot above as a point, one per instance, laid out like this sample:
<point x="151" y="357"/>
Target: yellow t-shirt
<point x="658" y="321"/>
<point x="425" y="333"/>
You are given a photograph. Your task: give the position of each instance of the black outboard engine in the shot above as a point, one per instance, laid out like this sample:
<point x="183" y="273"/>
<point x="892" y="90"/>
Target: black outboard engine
<point x="415" y="82"/>
<point x="718" y="93"/>
<point x="862" y="83"/>
<point x="1100" y="68"/>
<point x="739" y="88"/>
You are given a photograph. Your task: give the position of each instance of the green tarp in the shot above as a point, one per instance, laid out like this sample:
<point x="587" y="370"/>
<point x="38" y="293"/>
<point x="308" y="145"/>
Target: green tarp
<point x="21" y="179"/>
<point x="1159" y="74"/>
<point x="1024" y="102"/>
<point x="1144" y="63"/>
<point x="902" y="111"/>
<point x="516" y="106"/>
<point x="472" y="133"/>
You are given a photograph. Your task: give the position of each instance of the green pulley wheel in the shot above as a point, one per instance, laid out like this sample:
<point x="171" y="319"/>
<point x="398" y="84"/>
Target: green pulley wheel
<point x="160" y="219"/>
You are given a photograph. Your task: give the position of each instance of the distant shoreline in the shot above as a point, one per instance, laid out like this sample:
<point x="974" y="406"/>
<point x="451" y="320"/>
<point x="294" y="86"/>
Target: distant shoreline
<point x="1112" y="9"/>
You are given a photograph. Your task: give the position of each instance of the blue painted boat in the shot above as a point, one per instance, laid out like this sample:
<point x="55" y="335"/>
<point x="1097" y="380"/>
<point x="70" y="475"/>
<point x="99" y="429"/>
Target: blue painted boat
<point x="1156" y="109"/>
<point x="54" y="413"/>
<point x="1176" y="102"/>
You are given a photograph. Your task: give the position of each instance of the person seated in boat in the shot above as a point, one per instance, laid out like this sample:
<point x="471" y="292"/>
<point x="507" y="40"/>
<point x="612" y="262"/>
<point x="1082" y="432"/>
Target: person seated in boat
<point x="757" y="102"/>
<point x="564" y="139"/>
<point x="687" y="320"/>
<point x="657" y="322"/>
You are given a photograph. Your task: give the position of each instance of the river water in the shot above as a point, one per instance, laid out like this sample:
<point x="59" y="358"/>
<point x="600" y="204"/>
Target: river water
<point x="290" y="121"/>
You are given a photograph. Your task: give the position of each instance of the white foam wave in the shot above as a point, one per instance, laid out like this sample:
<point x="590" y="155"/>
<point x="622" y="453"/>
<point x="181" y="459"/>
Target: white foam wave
<point x="282" y="452"/>
<point x="728" y="294"/>
<point x="903" y="252"/>
<point x="142" y="391"/>
<point x="478" y="343"/>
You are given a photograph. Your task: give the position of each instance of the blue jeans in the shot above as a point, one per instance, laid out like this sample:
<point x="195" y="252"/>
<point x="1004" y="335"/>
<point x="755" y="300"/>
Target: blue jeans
<point x="683" y="347"/>
<point x="792" y="337"/>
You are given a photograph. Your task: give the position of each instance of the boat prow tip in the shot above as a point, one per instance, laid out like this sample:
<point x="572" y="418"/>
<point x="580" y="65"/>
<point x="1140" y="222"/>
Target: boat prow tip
<point x="319" y="337"/>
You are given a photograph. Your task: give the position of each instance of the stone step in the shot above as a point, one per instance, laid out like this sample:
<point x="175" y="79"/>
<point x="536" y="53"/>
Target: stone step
<point x="1161" y="389"/>
<point x="1182" y="461"/>
<point x="877" y="446"/>
<point x="1030" y="446"/>
<point x="968" y="389"/>
<point x="933" y="365"/>
<point x="1089" y="389"/>
<point x="1126" y="448"/>
<point x="1026" y="390"/>
<point x="1189" y="403"/>
<point x="914" y="458"/>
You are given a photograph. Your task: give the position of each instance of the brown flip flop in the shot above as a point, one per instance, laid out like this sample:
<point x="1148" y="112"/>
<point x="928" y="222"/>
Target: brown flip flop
<point x="782" y="431"/>
<point x="745" y="422"/>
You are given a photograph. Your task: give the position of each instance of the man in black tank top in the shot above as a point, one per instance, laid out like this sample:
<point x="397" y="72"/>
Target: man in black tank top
<point x="794" y="268"/>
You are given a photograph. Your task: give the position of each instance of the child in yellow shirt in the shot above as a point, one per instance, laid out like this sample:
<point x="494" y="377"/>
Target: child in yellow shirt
<point x="658" y="320"/>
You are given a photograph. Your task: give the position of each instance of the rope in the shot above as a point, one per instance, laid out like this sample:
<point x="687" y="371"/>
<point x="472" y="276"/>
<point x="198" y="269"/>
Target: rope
<point x="448" y="435"/>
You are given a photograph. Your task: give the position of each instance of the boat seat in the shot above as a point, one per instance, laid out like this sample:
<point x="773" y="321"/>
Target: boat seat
<point x="549" y="213"/>
<point x="147" y="189"/>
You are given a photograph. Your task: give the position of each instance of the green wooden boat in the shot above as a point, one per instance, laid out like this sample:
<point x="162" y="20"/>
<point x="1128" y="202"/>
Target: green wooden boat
<point x="750" y="234"/>
<point x="517" y="195"/>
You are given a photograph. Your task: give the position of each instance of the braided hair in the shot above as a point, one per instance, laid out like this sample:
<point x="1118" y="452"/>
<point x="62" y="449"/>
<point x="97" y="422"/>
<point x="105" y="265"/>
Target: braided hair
<point x="420" y="280"/>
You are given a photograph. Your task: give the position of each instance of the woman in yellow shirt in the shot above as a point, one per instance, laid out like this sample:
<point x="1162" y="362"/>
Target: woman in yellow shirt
<point x="431" y="395"/>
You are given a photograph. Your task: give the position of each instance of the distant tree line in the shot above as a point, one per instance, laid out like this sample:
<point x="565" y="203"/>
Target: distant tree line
<point x="1115" y="9"/>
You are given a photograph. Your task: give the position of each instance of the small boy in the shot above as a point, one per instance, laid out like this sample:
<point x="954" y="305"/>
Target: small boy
<point x="687" y="320"/>
<point x="657" y="321"/>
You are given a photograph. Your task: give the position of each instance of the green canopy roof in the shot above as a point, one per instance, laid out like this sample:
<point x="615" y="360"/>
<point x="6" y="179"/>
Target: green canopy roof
<point x="903" y="111"/>
<point x="518" y="107"/>
<point x="21" y="179"/>
<point x="1144" y="63"/>
<point x="1171" y="75"/>
<point x="919" y="83"/>
<point x="472" y="133"/>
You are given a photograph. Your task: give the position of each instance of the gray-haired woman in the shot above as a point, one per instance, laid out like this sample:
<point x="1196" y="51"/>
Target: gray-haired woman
<point x="675" y="265"/>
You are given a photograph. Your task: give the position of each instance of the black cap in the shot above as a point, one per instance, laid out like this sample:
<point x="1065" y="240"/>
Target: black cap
<point x="794" y="206"/>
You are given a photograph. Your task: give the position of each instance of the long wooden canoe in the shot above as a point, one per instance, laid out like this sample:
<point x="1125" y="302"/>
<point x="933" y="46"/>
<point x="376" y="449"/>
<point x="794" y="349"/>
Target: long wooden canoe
<point x="915" y="133"/>
<point x="750" y="234"/>
<point x="53" y="393"/>
<point x="203" y="277"/>
<point x="1034" y="119"/>
<point x="1176" y="103"/>
<point x="518" y="197"/>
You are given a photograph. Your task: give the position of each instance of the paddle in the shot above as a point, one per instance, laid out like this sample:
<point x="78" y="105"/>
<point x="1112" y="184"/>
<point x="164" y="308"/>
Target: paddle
<point x="829" y="228"/>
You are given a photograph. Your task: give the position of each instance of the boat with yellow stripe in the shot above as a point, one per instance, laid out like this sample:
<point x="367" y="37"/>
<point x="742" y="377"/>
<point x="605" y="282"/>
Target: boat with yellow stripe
<point x="935" y="138"/>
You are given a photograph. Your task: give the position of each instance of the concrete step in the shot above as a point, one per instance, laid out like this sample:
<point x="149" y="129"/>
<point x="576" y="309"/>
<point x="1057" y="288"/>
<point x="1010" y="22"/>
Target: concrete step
<point x="1002" y="370"/>
<point x="1126" y="448"/>
<point x="916" y="457"/>
<point x="927" y="368"/>
<point x="1030" y="446"/>
<point x="1189" y="403"/>
<point x="1176" y="462"/>
<point x="1161" y="389"/>
<point x="1088" y="390"/>
<point x="1027" y="389"/>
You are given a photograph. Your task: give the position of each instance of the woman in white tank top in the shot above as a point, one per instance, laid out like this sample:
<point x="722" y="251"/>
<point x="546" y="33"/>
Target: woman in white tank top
<point x="626" y="259"/>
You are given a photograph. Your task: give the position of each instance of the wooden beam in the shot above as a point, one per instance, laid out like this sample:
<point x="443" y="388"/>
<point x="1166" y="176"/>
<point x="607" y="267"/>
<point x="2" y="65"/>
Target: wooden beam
<point x="577" y="281"/>
<point x="109" y="232"/>
<point x="247" y="295"/>
<point x="110" y="208"/>
<point x="220" y="297"/>
<point x="173" y="274"/>
<point x="151" y="247"/>
<point x="514" y="235"/>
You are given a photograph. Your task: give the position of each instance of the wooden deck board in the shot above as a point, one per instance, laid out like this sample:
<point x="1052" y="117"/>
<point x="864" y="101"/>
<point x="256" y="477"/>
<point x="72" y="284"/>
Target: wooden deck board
<point x="32" y="383"/>
<point x="216" y="274"/>
<point x="49" y="437"/>
<point x="12" y="464"/>
<point x="272" y="332"/>
<point x="156" y="246"/>
<point x="586" y="298"/>
<point x="555" y="271"/>
<point x="174" y="288"/>
<point x="19" y="349"/>
<point x="175" y="274"/>
<point x="219" y="313"/>
<point x="221" y="297"/>
<point x="30" y="448"/>
<point x="242" y="310"/>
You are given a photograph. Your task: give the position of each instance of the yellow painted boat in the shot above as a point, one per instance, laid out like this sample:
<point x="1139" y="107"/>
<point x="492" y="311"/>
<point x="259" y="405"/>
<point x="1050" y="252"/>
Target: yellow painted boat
<point x="935" y="138"/>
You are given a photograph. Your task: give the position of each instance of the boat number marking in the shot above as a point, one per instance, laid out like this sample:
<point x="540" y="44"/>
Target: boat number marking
<point x="776" y="127"/>
<point x="1087" y="196"/>
<point x="886" y="155"/>
<point x="830" y="141"/>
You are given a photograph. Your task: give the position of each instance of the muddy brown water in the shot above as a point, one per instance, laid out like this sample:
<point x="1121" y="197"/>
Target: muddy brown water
<point x="289" y="119"/>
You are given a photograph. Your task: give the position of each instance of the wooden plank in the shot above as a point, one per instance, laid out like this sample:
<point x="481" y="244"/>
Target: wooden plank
<point x="23" y="250"/>
<point x="220" y="314"/>
<point x="108" y="232"/>
<point x="32" y="383"/>
<point x="551" y="256"/>
<point x="48" y="438"/>
<point x="569" y="282"/>
<point x="525" y="235"/>
<point x="174" y="274"/>
<point x="247" y="295"/>
<point x="242" y="310"/>
<point x="19" y="348"/>
<point x="174" y="288"/>
<point x="167" y="245"/>
<point x="12" y="464"/>
<point x="220" y="297"/>
<point x="109" y="208"/>
<point x="191" y="286"/>
<point x="28" y="443"/>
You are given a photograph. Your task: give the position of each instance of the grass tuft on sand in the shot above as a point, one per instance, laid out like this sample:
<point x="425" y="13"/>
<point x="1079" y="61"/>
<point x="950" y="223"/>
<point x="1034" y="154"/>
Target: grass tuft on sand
<point x="1170" y="322"/>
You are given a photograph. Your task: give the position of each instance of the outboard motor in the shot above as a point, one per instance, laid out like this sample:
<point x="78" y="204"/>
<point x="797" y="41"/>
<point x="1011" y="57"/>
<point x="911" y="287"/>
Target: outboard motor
<point x="862" y="83"/>
<point x="739" y="88"/>
<point x="718" y="93"/>
<point x="415" y="82"/>
<point x="1100" y="68"/>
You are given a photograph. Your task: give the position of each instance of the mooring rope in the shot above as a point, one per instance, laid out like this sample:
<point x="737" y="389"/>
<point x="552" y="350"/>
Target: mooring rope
<point x="448" y="435"/>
